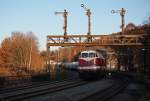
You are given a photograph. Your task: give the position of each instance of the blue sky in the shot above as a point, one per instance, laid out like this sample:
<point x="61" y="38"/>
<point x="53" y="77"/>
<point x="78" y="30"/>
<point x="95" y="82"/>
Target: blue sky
<point x="38" y="16"/>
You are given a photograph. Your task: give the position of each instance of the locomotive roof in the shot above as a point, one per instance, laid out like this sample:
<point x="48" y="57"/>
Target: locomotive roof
<point x="91" y="51"/>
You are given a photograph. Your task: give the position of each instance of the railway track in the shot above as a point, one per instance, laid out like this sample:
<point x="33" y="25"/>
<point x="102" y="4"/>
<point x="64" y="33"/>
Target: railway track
<point x="28" y="86"/>
<point x="25" y="93"/>
<point x="23" y="85"/>
<point x="107" y="93"/>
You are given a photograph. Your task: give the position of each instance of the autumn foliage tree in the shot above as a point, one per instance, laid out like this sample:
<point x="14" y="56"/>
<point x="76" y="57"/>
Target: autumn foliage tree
<point x="20" y="52"/>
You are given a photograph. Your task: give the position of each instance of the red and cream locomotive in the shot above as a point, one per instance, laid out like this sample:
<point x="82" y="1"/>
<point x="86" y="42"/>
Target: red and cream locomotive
<point x="91" y="63"/>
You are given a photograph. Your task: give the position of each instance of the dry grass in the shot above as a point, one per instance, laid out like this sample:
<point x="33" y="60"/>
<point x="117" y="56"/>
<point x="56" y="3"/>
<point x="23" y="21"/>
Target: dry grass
<point x="4" y="71"/>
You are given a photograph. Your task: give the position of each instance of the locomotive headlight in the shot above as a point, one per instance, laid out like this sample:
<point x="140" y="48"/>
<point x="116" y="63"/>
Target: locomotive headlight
<point x="95" y="67"/>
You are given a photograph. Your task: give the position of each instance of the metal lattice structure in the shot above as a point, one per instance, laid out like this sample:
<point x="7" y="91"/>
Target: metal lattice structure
<point x="97" y="40"/>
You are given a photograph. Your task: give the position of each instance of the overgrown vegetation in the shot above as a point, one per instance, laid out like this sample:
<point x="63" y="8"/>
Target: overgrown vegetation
<point x="19" y="54"/>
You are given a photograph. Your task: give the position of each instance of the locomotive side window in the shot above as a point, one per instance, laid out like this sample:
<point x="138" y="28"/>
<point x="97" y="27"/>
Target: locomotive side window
<point x="84" y="55"/>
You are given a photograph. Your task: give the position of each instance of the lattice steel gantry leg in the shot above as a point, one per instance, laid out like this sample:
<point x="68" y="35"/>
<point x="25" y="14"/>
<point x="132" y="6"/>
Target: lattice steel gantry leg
<point x="48" y="62"/>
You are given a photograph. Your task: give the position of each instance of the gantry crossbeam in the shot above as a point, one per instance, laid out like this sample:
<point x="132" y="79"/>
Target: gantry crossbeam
<point x="97" y="40"/>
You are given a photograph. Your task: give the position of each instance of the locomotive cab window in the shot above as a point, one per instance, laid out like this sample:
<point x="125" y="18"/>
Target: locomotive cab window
<point x="84" y="55"/>
<point x="91" y="55"/>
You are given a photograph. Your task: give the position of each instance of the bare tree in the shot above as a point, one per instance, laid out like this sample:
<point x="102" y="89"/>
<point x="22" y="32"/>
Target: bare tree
<point x="20" y="51"/>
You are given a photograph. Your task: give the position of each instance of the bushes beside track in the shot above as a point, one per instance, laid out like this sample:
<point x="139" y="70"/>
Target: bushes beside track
<point x="2" y="81"/>
<point x="40" y="77"/>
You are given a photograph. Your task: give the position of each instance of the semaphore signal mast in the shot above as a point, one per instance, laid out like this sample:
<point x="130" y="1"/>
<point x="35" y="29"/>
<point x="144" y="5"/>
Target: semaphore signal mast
<point x="65" y="14"/>
<point x="122" y="14"/>
<point x="88" y="13"/>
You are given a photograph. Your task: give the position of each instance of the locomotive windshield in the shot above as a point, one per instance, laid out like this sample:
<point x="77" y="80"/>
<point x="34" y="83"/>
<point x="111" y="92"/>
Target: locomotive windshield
<point x="90" y="55"/>
<point x="84" y="55"/>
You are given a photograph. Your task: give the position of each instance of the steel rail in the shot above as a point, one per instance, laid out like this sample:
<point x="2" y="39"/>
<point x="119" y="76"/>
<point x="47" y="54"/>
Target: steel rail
<point x="40" y="91"/>
<point x="107" y="93"/>
<point x="28" y="86"/>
